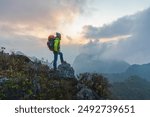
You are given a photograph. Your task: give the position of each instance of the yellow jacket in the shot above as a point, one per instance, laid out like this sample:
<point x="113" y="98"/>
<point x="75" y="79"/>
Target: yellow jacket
<point x="56" y="44"/>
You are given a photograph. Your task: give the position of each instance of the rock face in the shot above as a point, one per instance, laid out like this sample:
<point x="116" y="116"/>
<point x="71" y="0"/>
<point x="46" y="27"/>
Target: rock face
<point x="92" y="86"/>
<point x="86" y="93"/>
<point x="66" y="71"/>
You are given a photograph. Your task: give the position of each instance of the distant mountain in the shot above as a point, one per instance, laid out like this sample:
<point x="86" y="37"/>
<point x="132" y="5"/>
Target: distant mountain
<point x="142" y="71"/>
<point x="87" y="63"/>
<point x="139" y="70"/>
<point x="133" y="88"/>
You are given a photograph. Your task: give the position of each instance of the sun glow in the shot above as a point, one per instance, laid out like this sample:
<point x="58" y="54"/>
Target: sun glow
<point x="117" y="38"/>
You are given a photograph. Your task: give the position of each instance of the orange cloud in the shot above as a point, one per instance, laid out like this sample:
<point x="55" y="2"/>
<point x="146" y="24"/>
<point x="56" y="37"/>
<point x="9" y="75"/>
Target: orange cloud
<point x="39" y="18"/>
<point x="117" y="38"/>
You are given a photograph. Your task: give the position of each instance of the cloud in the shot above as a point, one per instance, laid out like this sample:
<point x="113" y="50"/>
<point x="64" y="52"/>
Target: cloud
<point x="29" y="45"/>
<point x="122" y="26"/>
<point x="19" y="42"/>
<point x="37" y="11"/>
<point x="24" y="23"/>
<point x="134" y="49"/>
<point x="38" y="18"/>
<point x="69" y="38"/>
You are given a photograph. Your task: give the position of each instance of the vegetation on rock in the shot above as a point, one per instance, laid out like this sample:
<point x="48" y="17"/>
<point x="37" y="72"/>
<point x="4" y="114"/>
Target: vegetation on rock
<point x="21" y="78"/>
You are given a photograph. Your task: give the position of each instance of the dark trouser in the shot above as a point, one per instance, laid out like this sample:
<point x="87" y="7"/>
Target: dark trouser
<point x="56" y="57"/>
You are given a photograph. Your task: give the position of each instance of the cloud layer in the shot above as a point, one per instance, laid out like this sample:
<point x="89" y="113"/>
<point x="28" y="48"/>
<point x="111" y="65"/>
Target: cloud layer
<point x="24" y="23"/>
<point x="39" y="11"/>
<point x="27" y="17"/>
<point x="134" y="49"/>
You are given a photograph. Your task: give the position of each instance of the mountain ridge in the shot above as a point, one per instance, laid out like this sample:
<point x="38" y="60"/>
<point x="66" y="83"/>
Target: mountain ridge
<point x="21" y="78"/>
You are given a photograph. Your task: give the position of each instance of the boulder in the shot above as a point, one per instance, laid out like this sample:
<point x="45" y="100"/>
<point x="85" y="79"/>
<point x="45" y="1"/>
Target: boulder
<point x="66" y="71"/>
<point x="86" y="93"/>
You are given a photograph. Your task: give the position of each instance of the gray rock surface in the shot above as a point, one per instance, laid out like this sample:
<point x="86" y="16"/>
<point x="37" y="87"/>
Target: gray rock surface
<point x="85" y="93"/>
<point x="66" y="71"/>
<point x="3" y="79"/>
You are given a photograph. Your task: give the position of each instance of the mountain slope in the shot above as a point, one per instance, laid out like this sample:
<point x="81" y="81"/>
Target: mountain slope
<point x="139" y="70"/>
<point x="133" y="88"/>
<point x="142" y="71"/>
<point x="86" y="63"/>
<point x="21" y="78"/>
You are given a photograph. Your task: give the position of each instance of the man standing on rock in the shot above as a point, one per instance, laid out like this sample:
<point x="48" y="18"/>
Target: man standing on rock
<point x="55" y="48"/>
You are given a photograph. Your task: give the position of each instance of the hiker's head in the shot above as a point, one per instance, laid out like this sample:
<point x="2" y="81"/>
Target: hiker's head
<point x="58" y="35"/>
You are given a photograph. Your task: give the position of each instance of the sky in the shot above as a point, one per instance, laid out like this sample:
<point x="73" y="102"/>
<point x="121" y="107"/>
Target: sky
<point x="116" y="29"/>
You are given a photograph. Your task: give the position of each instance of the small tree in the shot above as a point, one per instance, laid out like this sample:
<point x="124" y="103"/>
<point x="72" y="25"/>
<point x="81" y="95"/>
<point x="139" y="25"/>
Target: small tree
<point x="2" y="49"/>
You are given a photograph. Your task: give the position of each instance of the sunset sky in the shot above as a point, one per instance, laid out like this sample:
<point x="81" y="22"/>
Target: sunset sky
<point x="108" y="25"/>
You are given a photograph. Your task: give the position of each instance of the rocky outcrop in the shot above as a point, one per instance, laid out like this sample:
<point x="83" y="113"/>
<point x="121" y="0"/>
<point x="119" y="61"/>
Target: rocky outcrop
<point x="66" y="71"/>
<point x="28" y="79"/>
<point x="92" y="86"/>
<point x="86" y="93"/>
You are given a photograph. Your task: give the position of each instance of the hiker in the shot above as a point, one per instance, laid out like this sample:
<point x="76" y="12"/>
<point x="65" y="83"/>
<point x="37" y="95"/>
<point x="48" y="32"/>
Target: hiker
<point x="55" y="47"/>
